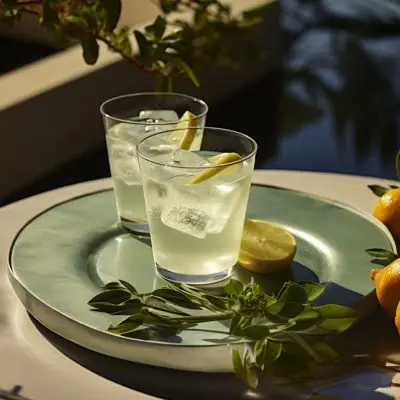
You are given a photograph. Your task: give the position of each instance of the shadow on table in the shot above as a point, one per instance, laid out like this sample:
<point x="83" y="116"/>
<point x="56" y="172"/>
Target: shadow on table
<point x="377" y="334"/>
<point x="176" y="385"/>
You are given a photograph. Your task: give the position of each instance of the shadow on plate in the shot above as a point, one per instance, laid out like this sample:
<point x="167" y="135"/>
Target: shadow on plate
<point x="272" y="283"/>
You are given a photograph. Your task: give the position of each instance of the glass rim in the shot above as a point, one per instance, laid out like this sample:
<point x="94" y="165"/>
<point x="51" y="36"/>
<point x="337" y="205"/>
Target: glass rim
<point x="229" y="131"/>
<point x="129" y="121"/>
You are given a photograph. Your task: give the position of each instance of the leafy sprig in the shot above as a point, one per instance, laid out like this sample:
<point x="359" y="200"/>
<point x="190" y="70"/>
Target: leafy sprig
<point x="382" y="255"/>
<point x="170" y="46"/>
<point x="281" y="335"/>
<point x="379" y="190"/>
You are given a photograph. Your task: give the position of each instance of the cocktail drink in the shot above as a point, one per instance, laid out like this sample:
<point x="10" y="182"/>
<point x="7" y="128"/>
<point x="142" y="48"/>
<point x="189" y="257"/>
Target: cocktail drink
<point x="196" y="202"/>
<point x="129" y="118"/>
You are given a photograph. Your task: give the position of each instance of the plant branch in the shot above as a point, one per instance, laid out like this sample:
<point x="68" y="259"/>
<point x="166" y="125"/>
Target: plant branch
<point x="127" y="58"/>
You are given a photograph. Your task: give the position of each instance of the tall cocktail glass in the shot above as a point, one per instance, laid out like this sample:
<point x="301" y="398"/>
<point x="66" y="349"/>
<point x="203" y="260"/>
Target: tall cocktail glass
<point x="129" y="118"/>
<point x="196" y="202"/>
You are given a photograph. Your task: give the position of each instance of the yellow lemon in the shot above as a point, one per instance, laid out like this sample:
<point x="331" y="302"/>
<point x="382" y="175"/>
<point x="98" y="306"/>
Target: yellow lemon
<point x="387" y="210"/>
<point x="218" y="166"/>
<point x="266" y="247"/>
<point x="185" y="133"/>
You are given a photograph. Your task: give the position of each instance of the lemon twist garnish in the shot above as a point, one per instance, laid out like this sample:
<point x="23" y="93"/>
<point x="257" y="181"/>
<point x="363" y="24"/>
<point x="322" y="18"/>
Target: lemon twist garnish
<point x="218" y="168"/>
<point x="266" y="247"/>
<point x="185" y="131"/>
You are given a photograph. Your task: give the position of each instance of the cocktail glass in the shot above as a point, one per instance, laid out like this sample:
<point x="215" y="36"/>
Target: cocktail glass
<point x="196" y="202"/>
<point x="129" y="118"/>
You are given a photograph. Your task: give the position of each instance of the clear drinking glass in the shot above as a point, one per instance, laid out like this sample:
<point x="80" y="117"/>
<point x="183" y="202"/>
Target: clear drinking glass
<point x="196" y="204"/>
<point x="129" y="118"/>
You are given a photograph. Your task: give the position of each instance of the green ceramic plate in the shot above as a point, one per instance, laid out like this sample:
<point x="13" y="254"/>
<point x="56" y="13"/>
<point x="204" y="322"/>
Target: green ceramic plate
<point x="61" y="258"/>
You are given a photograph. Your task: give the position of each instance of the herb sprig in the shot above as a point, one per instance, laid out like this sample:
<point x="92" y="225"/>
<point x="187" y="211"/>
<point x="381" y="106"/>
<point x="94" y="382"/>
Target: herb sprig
<point x="185" y="34"/>
<point x="280" y="335"/>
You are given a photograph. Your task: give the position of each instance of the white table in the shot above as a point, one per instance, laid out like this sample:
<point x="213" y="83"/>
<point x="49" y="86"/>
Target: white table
<point x="28" y="359"/>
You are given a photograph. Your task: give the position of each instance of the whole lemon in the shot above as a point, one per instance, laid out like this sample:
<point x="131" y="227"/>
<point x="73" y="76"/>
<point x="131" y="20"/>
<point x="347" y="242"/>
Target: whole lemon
<point x="387" y="283"/>
<point x="397" y="319"/>
<point x="387" y="210"/>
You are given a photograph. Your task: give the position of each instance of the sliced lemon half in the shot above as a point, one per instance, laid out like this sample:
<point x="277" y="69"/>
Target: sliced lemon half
<point x="184" y="134"/>
<point x="217" y="162"/>
<point x="266" y="247"/>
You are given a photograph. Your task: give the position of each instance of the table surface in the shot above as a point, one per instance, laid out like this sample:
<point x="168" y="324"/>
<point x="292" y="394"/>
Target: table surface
<point x="48" y="367"/>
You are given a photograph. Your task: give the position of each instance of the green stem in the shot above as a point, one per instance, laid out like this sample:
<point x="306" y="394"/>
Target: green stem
<point x="199" y="318"/>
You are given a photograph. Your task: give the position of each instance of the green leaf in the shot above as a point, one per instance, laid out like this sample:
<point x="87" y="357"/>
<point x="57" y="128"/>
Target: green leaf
<point x="116" y="296"/>
<point x="238" y="323"/>
<point x="144" y="45"/>
<point x="305" y="321"/>
<point x="168" y="6"/>
<point x="189" y="72"/>
<point x="226" y="340"/>
<point x="112" y="286"/>
<point x="233" y="287"/>
<point x="337" y="325"/>
<point x="382" y="254"/>
<point x="218" y="302"/>
<point x="129" y="287"/>
<point x="238" y="368"/>
<point x="307" y="314"/>
<point x="378" y="190"/>
<point x="255" y="332"/>
<point x="313" y="290"/>
<point x="90" y="49"/>
<point x="113" y="12"/>
<point x="335" y="311"/>
<point x="272" y="351"/>
<point x="128" y="325"/>
<point x="159" y="303"/>
<point x="326" y="351"/>
<point x="294" y="298"/>
<point x="157" y="29"/>
<point x="176" y="297"/>
<point x="251" y="377"/>
<point x="129" y="307"/>
<point x="292" y="292"/>
<point x="398" y="165"/>
<point x="295" y="349"/>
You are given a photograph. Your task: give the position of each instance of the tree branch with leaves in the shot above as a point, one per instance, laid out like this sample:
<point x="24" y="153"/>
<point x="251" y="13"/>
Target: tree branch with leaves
<point x="186" y="33"/>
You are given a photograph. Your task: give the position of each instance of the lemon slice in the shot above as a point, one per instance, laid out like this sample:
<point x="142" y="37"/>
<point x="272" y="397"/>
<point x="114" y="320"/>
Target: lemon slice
<point x="266" y="247"/>
<point x="217" y="161"/>
<point x="184" y="133"/>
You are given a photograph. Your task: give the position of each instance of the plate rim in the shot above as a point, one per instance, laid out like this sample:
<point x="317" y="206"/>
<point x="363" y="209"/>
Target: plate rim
<point x="14" y="279"/>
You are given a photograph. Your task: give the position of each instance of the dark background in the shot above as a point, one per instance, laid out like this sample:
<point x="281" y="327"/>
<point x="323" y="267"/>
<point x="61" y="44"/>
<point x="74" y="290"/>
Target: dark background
<point x="333" y="106"/>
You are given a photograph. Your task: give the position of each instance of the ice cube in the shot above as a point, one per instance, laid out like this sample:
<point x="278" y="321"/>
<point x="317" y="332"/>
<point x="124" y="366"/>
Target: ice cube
<point x="230" y="194"/>
<point x="124" y="163"/>
<point x="122" y="151"/>
<point x="159" y="115"/>
<point x="189" y="159"/>
<point x="156" y="192"/>
<point x="188" y="220"/>
<point x="128" y="171"/>
<point x="125" y="131"/>
<point x="199" y="210"/>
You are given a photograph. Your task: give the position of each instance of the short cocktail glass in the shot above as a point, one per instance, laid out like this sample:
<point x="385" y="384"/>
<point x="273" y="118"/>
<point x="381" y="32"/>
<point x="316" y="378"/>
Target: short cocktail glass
<point x="196" y="203"/>
<point x="129" y="118"/>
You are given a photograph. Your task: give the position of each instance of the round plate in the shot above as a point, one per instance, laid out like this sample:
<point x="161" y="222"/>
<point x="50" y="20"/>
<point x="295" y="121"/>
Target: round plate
<point x="62" y="257"/>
